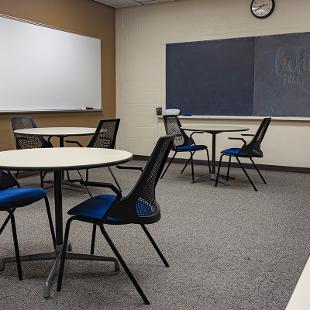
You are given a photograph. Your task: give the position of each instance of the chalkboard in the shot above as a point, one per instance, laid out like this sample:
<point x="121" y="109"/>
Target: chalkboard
<point x="211" y="77"/>
<point x="282" y="75"/>
<point x="259" y="76"/>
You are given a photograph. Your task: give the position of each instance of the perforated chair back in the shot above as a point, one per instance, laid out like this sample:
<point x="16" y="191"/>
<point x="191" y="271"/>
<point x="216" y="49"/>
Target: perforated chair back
<point x="140" y="205"/>
<point x="27" y="141"/>
<point x="105" y="135"/>
<point x="253" y="148"/>
<point x="173" y="127"/>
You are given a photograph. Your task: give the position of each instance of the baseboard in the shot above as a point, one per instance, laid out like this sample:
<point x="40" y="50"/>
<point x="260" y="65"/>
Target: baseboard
<point x="246" y="165"/>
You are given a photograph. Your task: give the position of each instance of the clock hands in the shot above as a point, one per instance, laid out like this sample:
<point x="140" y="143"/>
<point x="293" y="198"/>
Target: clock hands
<point x="259" y="7"/>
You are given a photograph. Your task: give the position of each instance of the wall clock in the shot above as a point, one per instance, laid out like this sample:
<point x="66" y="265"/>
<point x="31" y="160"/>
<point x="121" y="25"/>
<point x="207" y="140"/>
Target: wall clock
<point x="262" y="8"/>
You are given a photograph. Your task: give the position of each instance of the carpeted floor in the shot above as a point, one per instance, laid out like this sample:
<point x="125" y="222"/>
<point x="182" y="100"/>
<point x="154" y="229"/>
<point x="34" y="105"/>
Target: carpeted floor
<point x="228" y="247"/>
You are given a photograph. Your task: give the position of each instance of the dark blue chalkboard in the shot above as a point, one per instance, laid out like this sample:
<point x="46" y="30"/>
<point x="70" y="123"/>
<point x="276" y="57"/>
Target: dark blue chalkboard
<point x="211" y="77"/>
<point x="267" y="75"/>
<point x="282" y="75"/>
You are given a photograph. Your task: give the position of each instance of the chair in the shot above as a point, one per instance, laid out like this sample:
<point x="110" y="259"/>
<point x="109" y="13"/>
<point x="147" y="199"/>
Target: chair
<point x="28" y="141"/>
<point x="104" y="137"/>
<point x="248" y="150"/>
<point x="182" y="143"/>
<point x="12" y="198"/>
<point x="138" y="207"/>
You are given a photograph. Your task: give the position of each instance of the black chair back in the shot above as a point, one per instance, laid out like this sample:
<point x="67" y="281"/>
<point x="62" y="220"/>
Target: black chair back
<point x="253" y="148"/>
<point x="27" y="141"/>
<point x="105" y="135"/>
<point x="173" y="127"/>
<point x="140" y="205"/>
<point x="7" y="180"/>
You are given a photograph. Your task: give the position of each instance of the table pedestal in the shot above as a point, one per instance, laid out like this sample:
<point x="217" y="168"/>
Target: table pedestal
<point x="56" y="256"/>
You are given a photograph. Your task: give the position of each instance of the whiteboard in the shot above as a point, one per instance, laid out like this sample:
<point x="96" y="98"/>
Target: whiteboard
<point x="46" y="69"/>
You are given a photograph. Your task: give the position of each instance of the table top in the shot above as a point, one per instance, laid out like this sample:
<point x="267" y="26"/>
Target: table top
<point x="214" y="129"/>
<point x="57" y="131"/>
<point x="61" y="158"/>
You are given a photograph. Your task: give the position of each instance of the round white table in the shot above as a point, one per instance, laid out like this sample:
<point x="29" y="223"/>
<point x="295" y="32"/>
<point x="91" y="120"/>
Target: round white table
<point x="60" y="132"/>
<point x="214" y="130"/>
<point x="57" y="160"/>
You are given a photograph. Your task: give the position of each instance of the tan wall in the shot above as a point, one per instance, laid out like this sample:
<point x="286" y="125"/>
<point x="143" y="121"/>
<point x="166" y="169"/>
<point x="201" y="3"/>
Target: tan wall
<point x="84" y="17"/>
<point x="141" y="36"/>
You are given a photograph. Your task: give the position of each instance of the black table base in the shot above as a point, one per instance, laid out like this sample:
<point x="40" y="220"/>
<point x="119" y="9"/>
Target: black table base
<point x="56" y="256"/>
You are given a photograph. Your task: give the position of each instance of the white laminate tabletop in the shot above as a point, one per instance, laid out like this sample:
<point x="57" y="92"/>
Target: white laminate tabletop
<point x="61" y="158"/>
<point x="216" y="129"/>
<point x="57" y="131"/>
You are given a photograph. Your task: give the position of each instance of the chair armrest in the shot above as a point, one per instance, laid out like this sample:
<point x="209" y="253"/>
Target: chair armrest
<point x="241" y="139"/>
<point x="76" y="142"/>
<point x="130" y="167"/>
<point x="194" y="132"/>
<point x="247" y="134"/>
<point x="101" y="184"/>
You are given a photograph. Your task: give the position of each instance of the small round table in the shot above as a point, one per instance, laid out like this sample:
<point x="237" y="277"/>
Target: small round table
<point x="57" y="160"/>
<point x="60" y="132"/>
<point x="214" y="130"/>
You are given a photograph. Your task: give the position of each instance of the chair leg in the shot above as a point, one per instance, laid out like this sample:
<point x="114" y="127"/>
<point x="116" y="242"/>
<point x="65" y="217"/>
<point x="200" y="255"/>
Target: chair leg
<point x="63" y="254"/>
<point x="258" y="170"/>
<point x="115" y="180"/>
<point x="228" y="169"/>
<point x="192" y="166"/>
<point x="41" y="178"/>
<point x="155" y="245"/>
<point x="93" y="240"/>
<point x="128" y="272"/>
<point x="68" y="175"/>
<point x="168" y="165"/>
<point x="18" y="263"/>
<point x="218" y="170"/>
<point x="190" y="158"/>
<point x="50" y="221"/>
<point x="86" y="175"/>
<point x="5" y="223"/>
<point x="209" y="165"/>
<point x="246" y="173"/>
<point x="81" y="177"/>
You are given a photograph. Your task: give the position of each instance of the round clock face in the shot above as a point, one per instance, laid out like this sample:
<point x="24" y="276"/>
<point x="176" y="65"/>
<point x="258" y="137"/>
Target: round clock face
<point x="262" y="8"/>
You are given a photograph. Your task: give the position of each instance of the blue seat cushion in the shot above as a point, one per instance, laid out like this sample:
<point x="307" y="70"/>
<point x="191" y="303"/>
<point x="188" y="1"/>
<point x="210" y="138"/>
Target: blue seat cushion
<point x="234" y="152"/>
<point x="19" y="197"/>
<point x="94" y="208"/>
<point x="192" y="147"/>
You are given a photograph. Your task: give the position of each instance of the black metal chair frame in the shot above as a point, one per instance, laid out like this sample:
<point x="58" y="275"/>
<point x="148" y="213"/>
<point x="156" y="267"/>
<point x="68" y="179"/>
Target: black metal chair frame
<point x="181" y="139"/>
<point x="251" y="149"/>
<point x="13" y="224"/>
<point x="110" y="144"/>
<point x="29" y="141"/>
<point x="124" y="208"/>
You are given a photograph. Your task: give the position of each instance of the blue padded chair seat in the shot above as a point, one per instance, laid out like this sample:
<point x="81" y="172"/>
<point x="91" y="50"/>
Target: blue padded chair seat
<point x="192" y="147"/>
<point x="235" y="152"/>
<point x="19" y="197"/>
<point x="94" y="208"/>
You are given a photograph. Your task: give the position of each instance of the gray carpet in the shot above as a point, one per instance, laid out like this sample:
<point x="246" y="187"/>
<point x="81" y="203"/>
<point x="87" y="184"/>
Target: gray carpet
<point x="228" y="247"/>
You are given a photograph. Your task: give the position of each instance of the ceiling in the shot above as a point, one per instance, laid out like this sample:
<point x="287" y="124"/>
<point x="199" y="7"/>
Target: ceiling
<point x="127" y="3"/>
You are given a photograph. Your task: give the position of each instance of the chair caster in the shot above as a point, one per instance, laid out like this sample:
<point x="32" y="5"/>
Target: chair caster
<point x="69" y="249"/>
<point x="1" y="265"/>
<point x="116" y="266"/>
